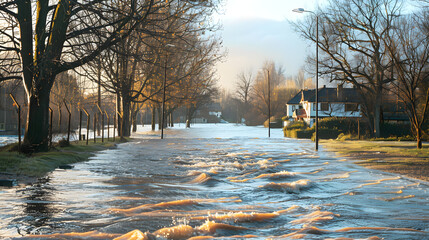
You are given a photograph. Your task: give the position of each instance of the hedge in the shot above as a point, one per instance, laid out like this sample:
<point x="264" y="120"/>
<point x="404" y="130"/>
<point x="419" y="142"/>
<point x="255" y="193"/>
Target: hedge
<point x="299" y="133"/>
<point x="331" y="128"/>
<point x="296" y="125"/>
<point x="325" y="133"/>
<point x="275" y="123"/>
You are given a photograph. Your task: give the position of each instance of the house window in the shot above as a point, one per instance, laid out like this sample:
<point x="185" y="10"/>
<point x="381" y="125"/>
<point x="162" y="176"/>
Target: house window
<point x="293" y="107"/>
<point x="324" y="106"/>
<point x="351" y="107"/>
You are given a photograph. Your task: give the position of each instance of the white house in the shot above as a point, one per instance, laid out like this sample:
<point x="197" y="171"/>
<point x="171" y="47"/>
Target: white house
<point x="333" y="102"/>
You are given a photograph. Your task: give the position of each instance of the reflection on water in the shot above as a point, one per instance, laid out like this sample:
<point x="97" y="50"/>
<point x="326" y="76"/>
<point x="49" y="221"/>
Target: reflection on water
<point x="217" y="181"/>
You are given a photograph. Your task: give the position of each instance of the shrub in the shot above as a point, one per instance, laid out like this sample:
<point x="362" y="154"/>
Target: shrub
<point x="305" y="133"/>
<point x="344" y="137"/>
<point x="275" y="122"/>
<point x="63" y="143"/>
<point x="344" y="125"/>
<point x="297" y="125"/>
<point x="285" y="118"/>
<point x="290" y="133"/>
<point x="325" y="133"/>
<point x="395" y="130"/>
<point x="299" y="133"/>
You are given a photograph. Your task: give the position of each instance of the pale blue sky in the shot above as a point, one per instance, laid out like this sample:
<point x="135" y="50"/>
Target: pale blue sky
<point x="257" y="30"/>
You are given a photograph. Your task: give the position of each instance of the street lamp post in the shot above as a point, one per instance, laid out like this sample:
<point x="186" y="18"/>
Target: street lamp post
<point x="163" y="90"/>
<point x="269" y="104"/>
<point x="302" y="10"/>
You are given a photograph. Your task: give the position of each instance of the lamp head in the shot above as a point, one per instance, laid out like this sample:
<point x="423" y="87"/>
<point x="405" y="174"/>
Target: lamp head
<point x="299" y="10"/>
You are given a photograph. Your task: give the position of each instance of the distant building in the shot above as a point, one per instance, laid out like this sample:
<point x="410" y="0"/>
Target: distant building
<point x="209" y="113"/>
<point x="215" y="109"/>
<point x="333" y="102"/>
<point x="340" y="102"/>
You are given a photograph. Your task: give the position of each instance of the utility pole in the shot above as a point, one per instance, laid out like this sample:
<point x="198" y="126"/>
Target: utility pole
<point x="269" y="105"/>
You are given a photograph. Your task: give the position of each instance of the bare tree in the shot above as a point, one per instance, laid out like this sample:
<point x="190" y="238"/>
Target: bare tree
<point x="58" y="36"/>
<point x="65" y="88"/>
<point x="243" y="94"/>
<point x="409" y="48"/>
<point x="260" y="90"/>
<point x="351" y="39"/>
<point x="136" y="67"/>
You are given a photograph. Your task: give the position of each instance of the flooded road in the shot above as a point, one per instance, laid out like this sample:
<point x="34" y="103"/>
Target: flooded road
<point x="217" y="181"/>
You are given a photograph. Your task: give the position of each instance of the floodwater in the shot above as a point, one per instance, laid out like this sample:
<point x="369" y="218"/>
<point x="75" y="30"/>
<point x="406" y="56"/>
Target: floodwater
<point x="216" y="181"/>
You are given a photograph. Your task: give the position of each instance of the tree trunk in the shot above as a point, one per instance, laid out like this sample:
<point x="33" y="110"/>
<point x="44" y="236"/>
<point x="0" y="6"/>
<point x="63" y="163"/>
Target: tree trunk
<point x="134" y="120"/>
<point x="189" y="114"/>
<point x="119" y="118"/>
<point x="188" y="123"/>
<point x="419" y="137"/>
<point x="159" y="118"/>
<point x="153" y="118"/>
<point x="36" y="136"/>
<point x="126" y="124"/>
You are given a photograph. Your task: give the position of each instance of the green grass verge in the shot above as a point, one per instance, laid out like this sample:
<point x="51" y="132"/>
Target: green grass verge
<point x="397" y="157"/>
<point x="391" y="148"/>
<point x="39" y="164"/>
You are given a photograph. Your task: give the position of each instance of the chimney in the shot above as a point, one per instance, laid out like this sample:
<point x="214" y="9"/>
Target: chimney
<point x="340" y="91"/>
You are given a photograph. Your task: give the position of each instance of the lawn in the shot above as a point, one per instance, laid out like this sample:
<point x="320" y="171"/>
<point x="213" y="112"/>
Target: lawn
<point x="26" y="169"/>
<point x="390" y="156"/>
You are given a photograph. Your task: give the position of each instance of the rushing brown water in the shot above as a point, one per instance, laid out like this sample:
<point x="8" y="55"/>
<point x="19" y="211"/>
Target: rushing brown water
<point x="216" y="181"/>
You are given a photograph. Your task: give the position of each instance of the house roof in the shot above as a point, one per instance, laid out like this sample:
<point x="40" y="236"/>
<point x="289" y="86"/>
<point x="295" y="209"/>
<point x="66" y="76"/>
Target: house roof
<point x="337" y="95"/>
<point x="303" y="94"/>
<point x="347" y="95"/>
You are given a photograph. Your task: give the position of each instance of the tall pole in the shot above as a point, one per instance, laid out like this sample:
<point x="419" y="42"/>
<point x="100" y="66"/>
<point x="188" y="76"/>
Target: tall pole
<point x="317" y="83"/>
<point x="108" y="122"/>
<point x="302" y="10"/>
<point x="163" y="97"/>
<point x="269" y="105"/>
<point x="50" y="126"/>
<point x="80" y="125"/>
<point x="114" y="126"/>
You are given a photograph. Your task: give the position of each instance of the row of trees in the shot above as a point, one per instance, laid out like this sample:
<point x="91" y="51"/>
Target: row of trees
<point x="253" y="95"/>
<point x="378" y="46"/>
<point x="132" y="49"/>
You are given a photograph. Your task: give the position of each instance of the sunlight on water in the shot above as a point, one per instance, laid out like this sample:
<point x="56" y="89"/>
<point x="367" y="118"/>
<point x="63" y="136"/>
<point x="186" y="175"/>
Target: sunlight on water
<point x="379" y="181"/>
<point x="313" y="217"/>
<point x="289" y="187"/>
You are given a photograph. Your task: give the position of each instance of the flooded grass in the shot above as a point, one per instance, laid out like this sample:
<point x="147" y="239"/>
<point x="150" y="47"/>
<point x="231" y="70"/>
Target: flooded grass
<point x="26" y="169"/>
<point x="396" y="157"/>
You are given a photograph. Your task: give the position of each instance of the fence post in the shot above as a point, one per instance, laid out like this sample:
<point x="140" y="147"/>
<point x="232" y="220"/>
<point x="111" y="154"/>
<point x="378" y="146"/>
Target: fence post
<point x="102" y="122"/>
<point x="95" y="128"/>
<point x="108" y="122"/>
<point x="88" y="118"/>
<point x="122" y="126"/>
<point x="80" y="124"/>
<point x="114" y="126"/>
<point x="50" y="126"/>
<point x="68" y="127"/>
<point x="19" y="121"/>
